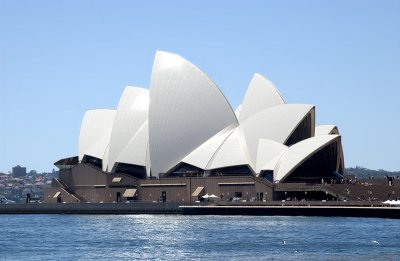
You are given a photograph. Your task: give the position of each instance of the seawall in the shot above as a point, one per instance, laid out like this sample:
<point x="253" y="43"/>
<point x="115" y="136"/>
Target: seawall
<point x="179" y="209"/>
<point x="322" y="211"/>
<point x="92" y="208"/>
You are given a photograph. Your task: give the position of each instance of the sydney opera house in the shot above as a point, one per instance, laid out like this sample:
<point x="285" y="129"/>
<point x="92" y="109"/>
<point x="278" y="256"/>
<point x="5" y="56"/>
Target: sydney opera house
<point x="181" y="139"/>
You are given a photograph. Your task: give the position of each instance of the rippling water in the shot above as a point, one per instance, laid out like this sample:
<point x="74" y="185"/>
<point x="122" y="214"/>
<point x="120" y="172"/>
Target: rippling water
<point x="169" y="237"/>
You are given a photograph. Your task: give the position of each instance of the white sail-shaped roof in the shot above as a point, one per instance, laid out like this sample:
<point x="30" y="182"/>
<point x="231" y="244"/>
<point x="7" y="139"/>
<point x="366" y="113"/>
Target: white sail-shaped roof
<point x="105" y="157"/>
<point x="261" y="94"/>
<point x="148" y="163"/>
<point x="268" y="154"/>
<point x="201" y="156"/>
<point x="341" y="167"/>
<point x="135" y="151"/>
<point x="132" y="112"/>
<point x="186" y="109"/>
<point x="184" y="118"/>
<point x="95" y="132"/>
<point x="326" y="130"/>
<point x="276" y="123"/>
<point x="98" y="149"/>
<point x="231" y="153"/>
<point x="237" y="111"/>
<point x="300" y="152"/>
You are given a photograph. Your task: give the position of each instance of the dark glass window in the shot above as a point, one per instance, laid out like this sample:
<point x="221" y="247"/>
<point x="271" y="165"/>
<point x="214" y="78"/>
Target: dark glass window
<point x="186" y="170"/>
<point x="241" y="170"/>
<point x="92" y="160"/>
<point x="321" y="165"/>
<point x="131" y="169"/>
<point x="302" y="132"/>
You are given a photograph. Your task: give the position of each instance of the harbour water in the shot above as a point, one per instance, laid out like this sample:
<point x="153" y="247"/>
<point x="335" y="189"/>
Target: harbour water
<point x="175" y="237"/>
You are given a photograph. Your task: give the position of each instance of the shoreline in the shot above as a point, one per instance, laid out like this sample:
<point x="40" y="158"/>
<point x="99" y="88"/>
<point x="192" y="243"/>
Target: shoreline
<point x="348" y="210"/>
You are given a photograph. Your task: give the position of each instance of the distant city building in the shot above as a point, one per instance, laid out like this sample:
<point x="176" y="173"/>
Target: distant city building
<point x="54" y="173"/>
<point x="19" y="171"/>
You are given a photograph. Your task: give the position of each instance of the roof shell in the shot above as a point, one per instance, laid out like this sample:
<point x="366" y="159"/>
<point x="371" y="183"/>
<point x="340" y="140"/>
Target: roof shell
<point x="231" y="153"/>
<point x="189" y="120"/>
<point x="261" y="94"/>
<point x="275" y="123"/>
<point x="99" y="148"/>
<point x="268" y="154"/>
<point x="132" y="112"/>
<point x="105" y="157"/>
<point x="95" y="132"/>
<point x="135" y="151"/>
<point x="186" y="110"/>
<point x="326" y="130"/>
<point x="300" y="152"/>
<point x="201" y="156"/>
<point x="237" y="111"/>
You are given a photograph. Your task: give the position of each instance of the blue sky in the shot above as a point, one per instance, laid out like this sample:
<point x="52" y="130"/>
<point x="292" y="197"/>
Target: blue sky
<point x="61" y="58"/>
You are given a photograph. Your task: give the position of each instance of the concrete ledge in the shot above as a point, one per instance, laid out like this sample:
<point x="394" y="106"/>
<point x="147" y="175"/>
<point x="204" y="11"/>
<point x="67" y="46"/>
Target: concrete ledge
<point x="178" y="209"/>
<point x="324" y="211"/>
<point x="92" y="208"/>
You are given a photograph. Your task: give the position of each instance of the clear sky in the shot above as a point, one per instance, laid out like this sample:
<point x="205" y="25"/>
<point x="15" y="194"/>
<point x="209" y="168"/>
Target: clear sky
<point x="61" y="58"/>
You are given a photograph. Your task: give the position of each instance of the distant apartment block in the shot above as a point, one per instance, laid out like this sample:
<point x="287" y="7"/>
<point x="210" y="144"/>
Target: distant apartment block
<point x="19" y="171"/>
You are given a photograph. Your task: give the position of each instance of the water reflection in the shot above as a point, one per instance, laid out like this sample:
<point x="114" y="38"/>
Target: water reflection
<point x="164" y="237"/>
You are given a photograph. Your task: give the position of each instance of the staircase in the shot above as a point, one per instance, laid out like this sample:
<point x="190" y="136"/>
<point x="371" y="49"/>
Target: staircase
<point x="65" y="188"/>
